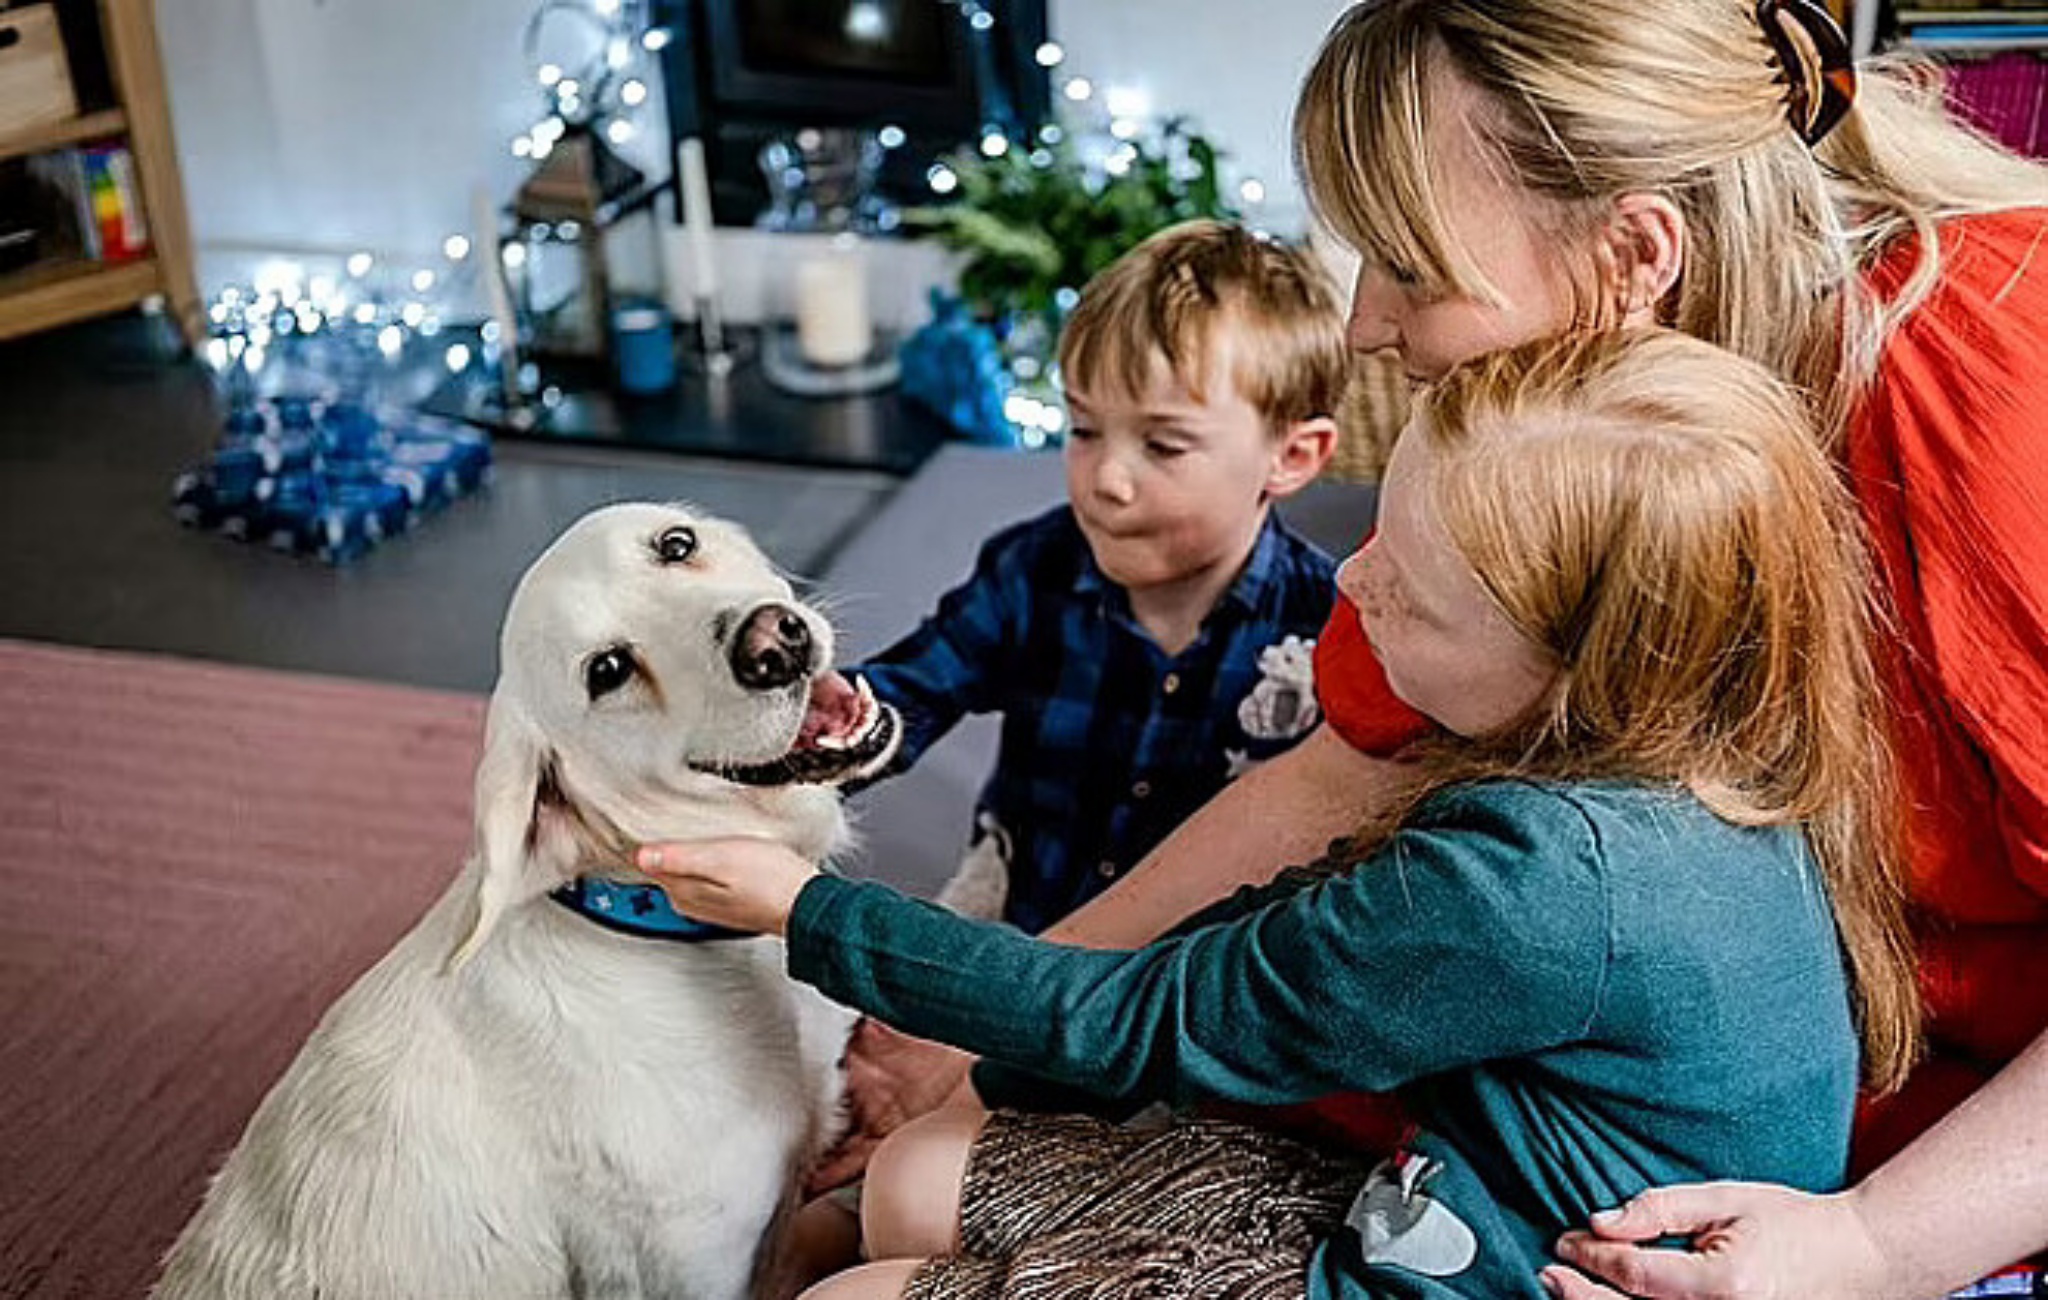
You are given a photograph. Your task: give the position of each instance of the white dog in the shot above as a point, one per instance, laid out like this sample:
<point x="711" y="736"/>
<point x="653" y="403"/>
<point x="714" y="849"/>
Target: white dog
<point x="520" y="1101"/>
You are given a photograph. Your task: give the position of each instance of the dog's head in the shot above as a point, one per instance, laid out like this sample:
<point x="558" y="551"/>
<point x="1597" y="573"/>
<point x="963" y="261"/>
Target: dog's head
<point x="658" y="679"/>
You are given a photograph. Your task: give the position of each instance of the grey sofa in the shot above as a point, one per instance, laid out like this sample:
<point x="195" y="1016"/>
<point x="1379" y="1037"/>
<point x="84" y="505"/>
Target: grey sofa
<point x="891" y="573"/>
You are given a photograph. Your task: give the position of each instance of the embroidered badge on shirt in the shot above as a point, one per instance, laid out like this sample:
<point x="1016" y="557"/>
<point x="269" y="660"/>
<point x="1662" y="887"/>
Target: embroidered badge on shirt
<point x="1282" y="705"/>
<point x="1400" y="1224"/>
<point x="980" y="886"/>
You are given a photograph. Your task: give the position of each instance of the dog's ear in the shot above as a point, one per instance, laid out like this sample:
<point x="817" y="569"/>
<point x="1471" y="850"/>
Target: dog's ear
<point x="523" y="844"/>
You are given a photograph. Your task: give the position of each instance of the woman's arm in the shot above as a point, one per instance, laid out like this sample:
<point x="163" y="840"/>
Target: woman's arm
<point x="1282" y="812"/>
<point x="1968" y="1197"/>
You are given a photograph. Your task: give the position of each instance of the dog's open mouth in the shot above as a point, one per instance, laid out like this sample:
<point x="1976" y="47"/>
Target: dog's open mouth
<point x="846" y="734"/>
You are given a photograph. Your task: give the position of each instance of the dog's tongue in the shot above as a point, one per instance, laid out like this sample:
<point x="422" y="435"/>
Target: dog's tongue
<point x="834" y="709"/>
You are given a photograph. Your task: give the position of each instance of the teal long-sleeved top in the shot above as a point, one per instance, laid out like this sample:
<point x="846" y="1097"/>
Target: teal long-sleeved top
<point x="1580" y="991"/>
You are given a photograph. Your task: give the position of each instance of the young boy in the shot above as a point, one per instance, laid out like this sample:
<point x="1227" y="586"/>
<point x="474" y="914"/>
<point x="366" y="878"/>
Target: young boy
<point x="1151" y="639"/>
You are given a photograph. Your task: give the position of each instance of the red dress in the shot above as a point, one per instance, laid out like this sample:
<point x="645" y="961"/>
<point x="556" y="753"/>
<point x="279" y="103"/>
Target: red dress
<point x="1948" y="458"/>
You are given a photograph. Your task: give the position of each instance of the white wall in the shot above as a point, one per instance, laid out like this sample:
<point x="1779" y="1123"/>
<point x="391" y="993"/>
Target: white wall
<point x="1232" y="65"/>
<point x="342" y="124"/>
<point x="309" y="125"/>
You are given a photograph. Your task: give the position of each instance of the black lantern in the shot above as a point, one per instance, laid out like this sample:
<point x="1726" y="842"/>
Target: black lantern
<point x="560" y="216"/>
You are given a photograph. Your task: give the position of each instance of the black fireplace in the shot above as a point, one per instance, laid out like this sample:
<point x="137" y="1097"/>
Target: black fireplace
<point x="741" y="73"/>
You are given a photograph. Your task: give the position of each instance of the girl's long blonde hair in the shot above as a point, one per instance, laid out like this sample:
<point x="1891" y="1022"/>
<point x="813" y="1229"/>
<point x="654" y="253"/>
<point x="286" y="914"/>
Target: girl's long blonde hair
<point x="1584" y="101"/>
<point x="1654" y="513"/>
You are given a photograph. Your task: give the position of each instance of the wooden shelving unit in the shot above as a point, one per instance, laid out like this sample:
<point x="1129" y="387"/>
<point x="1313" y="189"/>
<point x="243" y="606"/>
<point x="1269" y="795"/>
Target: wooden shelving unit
<point x="60" y="291"/>
<point x="62" y="135"/>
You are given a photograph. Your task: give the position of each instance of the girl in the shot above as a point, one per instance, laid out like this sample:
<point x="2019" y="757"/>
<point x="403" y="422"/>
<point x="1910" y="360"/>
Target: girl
<point x="1592" y="943"/>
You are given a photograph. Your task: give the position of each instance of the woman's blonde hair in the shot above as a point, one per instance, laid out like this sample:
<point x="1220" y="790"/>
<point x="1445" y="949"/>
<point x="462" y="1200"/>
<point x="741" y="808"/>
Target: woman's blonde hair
<point x="1175" y="295"/>
<point x="1584" y="101"/>
<point x="1653" y="513"/>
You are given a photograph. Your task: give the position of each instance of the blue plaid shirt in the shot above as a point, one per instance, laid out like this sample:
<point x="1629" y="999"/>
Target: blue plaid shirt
<point x="1108" y="743"/>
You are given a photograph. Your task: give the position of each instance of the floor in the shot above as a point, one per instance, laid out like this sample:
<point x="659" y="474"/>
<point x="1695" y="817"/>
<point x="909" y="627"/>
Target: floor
<point x="97" y="419"/>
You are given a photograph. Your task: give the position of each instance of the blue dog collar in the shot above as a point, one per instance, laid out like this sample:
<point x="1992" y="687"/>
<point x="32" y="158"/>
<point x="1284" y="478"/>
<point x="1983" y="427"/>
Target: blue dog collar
<point x="639" y="910"/>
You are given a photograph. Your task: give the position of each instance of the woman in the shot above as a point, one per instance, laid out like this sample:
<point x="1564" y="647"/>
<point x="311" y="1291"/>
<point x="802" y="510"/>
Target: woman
<point x="1511" y="168"/>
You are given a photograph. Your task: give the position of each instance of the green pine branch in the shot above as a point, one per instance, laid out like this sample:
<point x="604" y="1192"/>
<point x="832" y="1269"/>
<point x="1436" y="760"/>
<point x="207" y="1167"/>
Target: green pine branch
<point x="1031" y="228"/>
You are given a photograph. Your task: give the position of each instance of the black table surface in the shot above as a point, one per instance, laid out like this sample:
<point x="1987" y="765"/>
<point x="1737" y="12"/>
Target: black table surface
<point x="741" y="416"/>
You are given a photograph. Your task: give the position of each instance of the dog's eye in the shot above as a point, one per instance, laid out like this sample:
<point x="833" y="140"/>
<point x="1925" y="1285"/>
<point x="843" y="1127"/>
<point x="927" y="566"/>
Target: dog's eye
<point x="608" y="670"/>
<point x="676" y="545"/>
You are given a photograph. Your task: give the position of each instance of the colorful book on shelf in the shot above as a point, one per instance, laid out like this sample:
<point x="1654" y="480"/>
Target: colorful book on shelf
<point x="100" y="203"/>
<point x="1920" y="17"/>
<point x="2007" y="96"/>
<point x="116" y="201"/>
<point x="1978" y="36"/>
<point x="68" y="230"/>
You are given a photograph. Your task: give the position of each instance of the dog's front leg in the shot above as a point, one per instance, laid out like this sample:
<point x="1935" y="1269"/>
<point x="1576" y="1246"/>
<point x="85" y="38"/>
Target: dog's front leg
<point x="603" y="1280"/>
<point x="605" y="1266"/>
<point x="803" y="1245"/>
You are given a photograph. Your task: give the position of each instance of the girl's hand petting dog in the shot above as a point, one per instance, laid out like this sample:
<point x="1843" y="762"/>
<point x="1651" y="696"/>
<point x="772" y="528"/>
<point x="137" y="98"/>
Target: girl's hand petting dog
<point x="742" y="884"/>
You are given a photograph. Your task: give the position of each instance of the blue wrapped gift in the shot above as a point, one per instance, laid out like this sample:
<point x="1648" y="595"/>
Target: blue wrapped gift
<point x="328" y="478"/>
<point x="437" y="461"/>
<point x="954" y="366"/>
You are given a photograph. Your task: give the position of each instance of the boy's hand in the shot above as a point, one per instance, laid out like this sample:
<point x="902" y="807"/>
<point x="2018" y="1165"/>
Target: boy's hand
<point x="742" y="884"/>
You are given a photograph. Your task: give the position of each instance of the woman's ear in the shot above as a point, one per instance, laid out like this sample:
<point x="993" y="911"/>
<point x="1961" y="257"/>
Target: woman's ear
<point x="1303" y="448"/>
<point x="1646" y="248"/>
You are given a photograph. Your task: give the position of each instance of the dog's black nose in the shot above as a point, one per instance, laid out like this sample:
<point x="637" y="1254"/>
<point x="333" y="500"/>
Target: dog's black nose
<point x="772" y="650"/>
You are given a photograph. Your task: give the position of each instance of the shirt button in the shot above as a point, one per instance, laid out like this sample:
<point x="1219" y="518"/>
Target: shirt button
<point x="1141" y="789"/>
<point x="1106" y="869"/>
<point x="1171" y="684"/>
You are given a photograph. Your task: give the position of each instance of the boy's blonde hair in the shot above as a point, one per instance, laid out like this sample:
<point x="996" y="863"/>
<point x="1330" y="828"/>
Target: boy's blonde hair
<point x="1175" y="295"/>
<point x="1583" y="101"/>
<point x="1654" y="513"/>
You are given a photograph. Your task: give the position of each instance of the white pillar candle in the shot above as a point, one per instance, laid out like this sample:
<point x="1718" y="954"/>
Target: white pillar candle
<point x="697" y="227"/>
<point x="832" y="323"/>
<point x="490" y="263"/>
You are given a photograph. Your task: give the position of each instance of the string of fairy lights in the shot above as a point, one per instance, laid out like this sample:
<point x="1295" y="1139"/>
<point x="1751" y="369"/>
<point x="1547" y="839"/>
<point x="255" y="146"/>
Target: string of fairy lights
<point x="605" y="90"/>
<point x="1106" y="124"/>
<point x="389" y="306"/>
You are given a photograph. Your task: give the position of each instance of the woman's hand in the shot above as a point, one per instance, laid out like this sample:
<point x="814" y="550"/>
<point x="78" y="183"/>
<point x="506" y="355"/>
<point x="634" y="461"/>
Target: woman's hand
<point x="1747" y="1242"/>
<point x="891" y="1079"/>
<point x="742" y="884"/>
